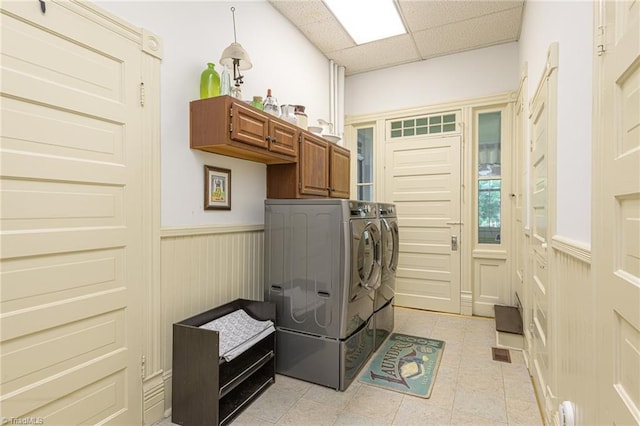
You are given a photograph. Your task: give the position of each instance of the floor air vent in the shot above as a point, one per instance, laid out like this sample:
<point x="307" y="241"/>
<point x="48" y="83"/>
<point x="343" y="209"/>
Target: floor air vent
<point x="501" y="354"/>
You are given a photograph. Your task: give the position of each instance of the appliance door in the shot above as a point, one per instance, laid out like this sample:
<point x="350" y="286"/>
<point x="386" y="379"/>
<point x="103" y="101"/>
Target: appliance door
<point x="365" y="258"/>
<point x="390" y="246"/>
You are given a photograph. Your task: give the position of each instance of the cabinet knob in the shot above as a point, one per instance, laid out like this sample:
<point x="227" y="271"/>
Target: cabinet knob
<point x="268" y="138"/>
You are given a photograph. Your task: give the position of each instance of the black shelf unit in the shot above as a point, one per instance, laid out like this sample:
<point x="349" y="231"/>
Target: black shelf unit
<point x="211" y="391"/>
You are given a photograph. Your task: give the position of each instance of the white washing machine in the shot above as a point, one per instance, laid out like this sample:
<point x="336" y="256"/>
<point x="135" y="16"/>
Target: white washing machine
<point x="322" y="267"/>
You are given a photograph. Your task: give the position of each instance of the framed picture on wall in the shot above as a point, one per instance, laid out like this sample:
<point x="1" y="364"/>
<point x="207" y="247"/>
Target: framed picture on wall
<point x="217" y="188"/>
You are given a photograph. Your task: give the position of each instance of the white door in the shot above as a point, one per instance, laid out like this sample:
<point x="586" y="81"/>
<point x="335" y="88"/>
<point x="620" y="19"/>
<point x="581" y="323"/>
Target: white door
<point x="616" y="247"/>
<point x="542" y="119"/>
<point x="70" y="218"/>
<point x="422" y="177"/>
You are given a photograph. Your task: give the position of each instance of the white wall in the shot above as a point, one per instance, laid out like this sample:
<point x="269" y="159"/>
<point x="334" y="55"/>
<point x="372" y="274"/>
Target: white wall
<point x="463" y="75"/>
<point x="193" y="34"/>
<point x="570" y="23"/>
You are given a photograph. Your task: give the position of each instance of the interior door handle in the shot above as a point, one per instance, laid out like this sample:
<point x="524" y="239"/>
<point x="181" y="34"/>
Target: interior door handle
<point x="454" y="243"/>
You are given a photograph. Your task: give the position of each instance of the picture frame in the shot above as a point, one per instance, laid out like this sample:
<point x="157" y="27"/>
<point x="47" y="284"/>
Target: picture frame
<point x="217" y="188"/>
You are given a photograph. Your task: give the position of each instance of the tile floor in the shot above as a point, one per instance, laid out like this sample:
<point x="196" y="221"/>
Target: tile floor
<point x="470" y="387"/>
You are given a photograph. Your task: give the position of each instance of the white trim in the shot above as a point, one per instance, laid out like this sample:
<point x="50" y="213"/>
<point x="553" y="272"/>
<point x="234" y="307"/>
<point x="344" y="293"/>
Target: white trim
<point x="466" y="302"/>
<point x="489" y="254"/>
<point x="575" y="249"/>
<point x="501" y="98"/>
<point x="178" y="231"/>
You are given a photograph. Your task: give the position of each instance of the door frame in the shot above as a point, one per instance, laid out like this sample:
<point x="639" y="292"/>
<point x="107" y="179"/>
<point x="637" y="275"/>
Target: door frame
<point x="378" y="120"/>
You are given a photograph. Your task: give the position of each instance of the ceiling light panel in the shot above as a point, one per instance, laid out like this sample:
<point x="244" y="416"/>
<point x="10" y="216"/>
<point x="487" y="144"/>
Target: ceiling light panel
<point x="367" y="20"/>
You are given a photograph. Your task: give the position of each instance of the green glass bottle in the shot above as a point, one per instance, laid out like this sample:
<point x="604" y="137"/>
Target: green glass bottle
<point x="209" y="82"/>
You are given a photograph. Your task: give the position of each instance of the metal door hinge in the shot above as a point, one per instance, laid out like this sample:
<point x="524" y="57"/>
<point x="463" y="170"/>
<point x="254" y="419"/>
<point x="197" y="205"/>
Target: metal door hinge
<point x="142" y="94"/>
<point x="600" y="41"/>
<point x="231" y="127"/>
<point x="299" y="185"/>
<point x="143" y="366"/>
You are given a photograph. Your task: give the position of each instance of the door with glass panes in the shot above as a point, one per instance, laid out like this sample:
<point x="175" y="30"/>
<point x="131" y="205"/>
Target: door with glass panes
<point x="422" y="178"/>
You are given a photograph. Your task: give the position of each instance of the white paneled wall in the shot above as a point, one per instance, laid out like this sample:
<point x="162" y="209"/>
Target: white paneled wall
<point x="204" y="267"/>
<point x="575" y="327"/>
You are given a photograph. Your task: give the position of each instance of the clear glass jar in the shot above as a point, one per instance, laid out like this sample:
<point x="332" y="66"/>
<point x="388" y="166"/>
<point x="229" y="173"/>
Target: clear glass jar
<point x="288" y="114"/>
<point x="225" y="81"/>
<point x="271" y="104"/>
<point x="257" y="102"/>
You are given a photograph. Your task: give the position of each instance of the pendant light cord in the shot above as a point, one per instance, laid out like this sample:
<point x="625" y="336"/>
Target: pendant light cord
<point x="233" y="14"/>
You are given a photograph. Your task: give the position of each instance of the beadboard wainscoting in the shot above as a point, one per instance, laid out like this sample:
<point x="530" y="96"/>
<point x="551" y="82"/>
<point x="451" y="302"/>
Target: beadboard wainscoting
<point x="575" y="307"/>
<point x="201" y="268"/>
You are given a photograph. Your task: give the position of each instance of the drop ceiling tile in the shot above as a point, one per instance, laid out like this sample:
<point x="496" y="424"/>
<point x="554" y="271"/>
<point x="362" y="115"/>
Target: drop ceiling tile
<point x="440" y="27"/>
<point x="420" y="15"/>
<point x="488" y="30"/>
<point x="381" y="54"/>
<point x="302" y="12"/>
<point x="327" y="35"/>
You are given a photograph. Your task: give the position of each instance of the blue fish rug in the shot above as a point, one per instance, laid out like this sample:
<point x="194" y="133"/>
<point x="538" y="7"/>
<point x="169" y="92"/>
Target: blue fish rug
<point x="406" y="364"/>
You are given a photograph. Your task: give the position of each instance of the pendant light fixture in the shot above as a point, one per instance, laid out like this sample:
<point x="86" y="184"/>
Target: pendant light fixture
<point x="235" y="56"/>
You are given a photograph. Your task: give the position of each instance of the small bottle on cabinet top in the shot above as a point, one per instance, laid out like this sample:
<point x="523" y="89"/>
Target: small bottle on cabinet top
<point x="209" y="82"/>
<point x="271" y="104"/>
<point x="225" y="81"/>
<point x="257" y="102"/>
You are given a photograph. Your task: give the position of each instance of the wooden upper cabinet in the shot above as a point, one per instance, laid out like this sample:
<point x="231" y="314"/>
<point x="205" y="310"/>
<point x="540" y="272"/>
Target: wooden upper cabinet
<point x="339" y="172"/>
<point x="314" y="166"/>
<point x="283" y="138"/>
<point x="322" y="171"/>
<point x="299" y="163"/>
<point x="227" y="126"/>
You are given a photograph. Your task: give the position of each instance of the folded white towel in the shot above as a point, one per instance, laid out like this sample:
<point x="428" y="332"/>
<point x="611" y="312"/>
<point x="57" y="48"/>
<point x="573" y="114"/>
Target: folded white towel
<point x="238" y="332"/>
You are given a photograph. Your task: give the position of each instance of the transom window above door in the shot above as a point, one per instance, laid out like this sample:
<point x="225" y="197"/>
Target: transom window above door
<point x="433" y="124"/>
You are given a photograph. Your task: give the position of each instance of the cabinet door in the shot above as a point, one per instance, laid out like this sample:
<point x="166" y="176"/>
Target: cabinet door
<point x="313" y="166"/>
<point x="340" y="161"/>
<point x="249" y="126"/>
<point x="283" y="138"/>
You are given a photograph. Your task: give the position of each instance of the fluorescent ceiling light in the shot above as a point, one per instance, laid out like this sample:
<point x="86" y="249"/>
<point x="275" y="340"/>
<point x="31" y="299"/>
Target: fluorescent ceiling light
<point x="367" y="20"/>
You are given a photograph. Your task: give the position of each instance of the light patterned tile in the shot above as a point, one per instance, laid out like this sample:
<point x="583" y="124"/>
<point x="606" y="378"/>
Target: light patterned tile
<point x="246" y="419"/>
<point x="415" y="328"/>
<point x="375" y="403"/>
<point x="421" y="412"/>
<point x="481" y="404"/>
<point x="517" y="358"/>
<point x="347" y="418"/>
<point x="517" y="389"/>
<point x="306" y="412"/>
<point x="478" y="350"/>
<point x="482" y="380"/>
<point x="521" y="413"/>
<point x="480" y="337"/>
<point x="291" y="384"/>
<point x="515" y="371"/>
<point x="449" y="335"/>
<point x="472" y="362"/>
<point x="332" y="397"/>
<point x="460" y="418"/>
<point x="469" y="389"/>
<point x="273" y="404"/>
